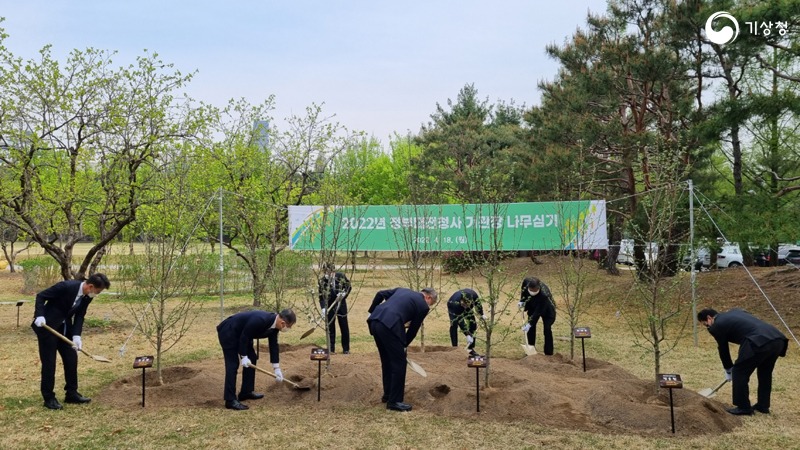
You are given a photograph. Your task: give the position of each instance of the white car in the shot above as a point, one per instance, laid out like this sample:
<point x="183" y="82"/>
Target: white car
<point x="730" y="255"/>
<point x="625" y="255"/>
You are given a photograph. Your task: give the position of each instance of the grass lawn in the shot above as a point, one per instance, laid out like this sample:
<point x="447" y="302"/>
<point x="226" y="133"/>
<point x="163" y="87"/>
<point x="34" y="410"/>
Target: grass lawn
<point x="26" y="424"/>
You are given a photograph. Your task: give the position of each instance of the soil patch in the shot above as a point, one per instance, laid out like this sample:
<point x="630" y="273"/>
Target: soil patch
<point x="547" y="390"/>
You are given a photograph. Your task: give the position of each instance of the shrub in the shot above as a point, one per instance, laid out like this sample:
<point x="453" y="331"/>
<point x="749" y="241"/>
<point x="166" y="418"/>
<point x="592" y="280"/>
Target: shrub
<point x="459" y="262"/>
<point x="39" y="273"/>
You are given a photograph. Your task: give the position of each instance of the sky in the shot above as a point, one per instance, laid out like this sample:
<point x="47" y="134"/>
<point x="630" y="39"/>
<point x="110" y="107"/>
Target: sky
<point x="379" y="67"/>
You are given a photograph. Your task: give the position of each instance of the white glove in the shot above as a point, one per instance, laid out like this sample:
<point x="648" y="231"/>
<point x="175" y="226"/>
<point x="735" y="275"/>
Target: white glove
<point x="246" y="361"/>
<point x="39" y="321"/>
<point x="484" y="317"/>
<point x="526" y="327"/>
<point x="278" y="372"/>
<point x="341" y="295"/>
<point x="78" y="344"/>
<point x="323" y="311"/>
<point x="470" y="340"/>
<point x="521" y="305"/>
<point x="728" y="374"/>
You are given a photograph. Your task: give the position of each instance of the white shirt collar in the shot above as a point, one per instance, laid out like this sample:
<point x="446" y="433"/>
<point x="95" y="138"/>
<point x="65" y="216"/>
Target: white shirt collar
<point x="80" y="293"/>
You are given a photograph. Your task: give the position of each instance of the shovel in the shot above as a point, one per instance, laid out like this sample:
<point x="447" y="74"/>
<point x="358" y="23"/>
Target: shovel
<point x="530" y="350"/>
<point x="296" y="386"/>
<point x="417" y="368"/>
<point x="709" y="392"/>
<point x="63" y="338"/>
<point x="307" y="333"/>
<point x="311" y="330"/>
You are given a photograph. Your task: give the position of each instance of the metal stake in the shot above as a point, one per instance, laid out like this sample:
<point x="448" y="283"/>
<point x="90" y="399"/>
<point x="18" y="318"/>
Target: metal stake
<point x="143" y="387"/>
<point x="478" y="388"/>
<point x="583" y="351"/>
<point x="319" y="378"/>
<point x="671" y="411"/>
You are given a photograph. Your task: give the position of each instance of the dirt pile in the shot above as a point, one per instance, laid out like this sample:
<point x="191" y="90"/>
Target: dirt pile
<point x="551" y="391"/>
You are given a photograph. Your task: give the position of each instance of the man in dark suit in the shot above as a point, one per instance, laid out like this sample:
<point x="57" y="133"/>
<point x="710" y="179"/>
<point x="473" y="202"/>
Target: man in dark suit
<point x="334" y="287"/>
<point x="538" y="303"/>
<point x="390" y="311"/>
<point x="461" y="308"/>
<point x="236" y="334"/>
<point x="760" y="345"/>
<point x="63" y="307"/>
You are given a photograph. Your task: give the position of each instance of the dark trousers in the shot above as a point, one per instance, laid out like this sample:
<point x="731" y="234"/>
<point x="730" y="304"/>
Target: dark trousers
<point x="548" y="333"/>
<point x="762" y="361"/>
<point x="49" y="344"/>
<point x="392" y="350"/>
<point x="231" y="354"/>
<point x="341" y="314"/>
<point x="456" y="320"/>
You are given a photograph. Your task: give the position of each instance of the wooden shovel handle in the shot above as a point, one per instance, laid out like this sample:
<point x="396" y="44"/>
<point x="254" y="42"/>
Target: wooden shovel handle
<point x="274" y="376"/>
<point x="64" y="338"/>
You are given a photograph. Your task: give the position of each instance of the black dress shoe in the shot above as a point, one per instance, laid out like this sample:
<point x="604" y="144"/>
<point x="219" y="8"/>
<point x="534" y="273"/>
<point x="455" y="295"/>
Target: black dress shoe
<point x="398" y="406"/>
<point x="52" y="404"/>
<point x="235" y="404"/>
<point x="250" y="396"/>
<point x="760" y="409"/>
<point x="75" y="397"/>
<point x="740" y="411"/>
<point x="346" y="352"/>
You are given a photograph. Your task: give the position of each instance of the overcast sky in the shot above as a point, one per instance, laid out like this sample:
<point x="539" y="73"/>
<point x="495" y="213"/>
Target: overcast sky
<point x="378" y="66"/>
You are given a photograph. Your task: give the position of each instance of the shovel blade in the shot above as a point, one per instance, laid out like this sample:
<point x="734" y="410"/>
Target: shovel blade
<point x="707" y="392"/>
<point x="101" y="359"/>
<point x="529" y="349"/>
<point x="417" y="368"/>
<point x="307" y="333"/>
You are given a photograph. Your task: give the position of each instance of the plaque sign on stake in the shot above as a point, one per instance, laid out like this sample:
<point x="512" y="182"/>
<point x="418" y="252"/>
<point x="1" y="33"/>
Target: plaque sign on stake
<point x="319" y="354"/>
<point x="19" y="303"/>
<point x="582" y="333"/>
<point x="143" y="362"/>
<point x="670" y="381"/>
<point x="478" y="362"/>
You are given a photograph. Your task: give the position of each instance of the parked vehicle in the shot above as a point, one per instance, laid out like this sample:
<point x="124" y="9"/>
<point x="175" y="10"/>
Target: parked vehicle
<point x="729" y="255"/>
<point x="792" y="257"/>
<point x="625" y="255"/>
<point x="784" y="250"/>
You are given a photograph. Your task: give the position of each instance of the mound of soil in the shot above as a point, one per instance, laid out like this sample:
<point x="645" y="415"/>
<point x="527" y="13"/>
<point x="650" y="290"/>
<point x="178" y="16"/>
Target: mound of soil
<point x="547" y="390"/>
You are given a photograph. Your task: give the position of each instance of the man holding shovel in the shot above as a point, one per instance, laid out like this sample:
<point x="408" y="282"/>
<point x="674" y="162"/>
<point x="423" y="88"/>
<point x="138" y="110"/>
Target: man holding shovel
<point x="63" y="307"/>
<point x="760" y="345"/>
<point x="538" y="303"/>
<point x="391" y="309"/>
<point x="334" y="287"/>
<point x="236" y="334"/>
<point x="461" y="308"/>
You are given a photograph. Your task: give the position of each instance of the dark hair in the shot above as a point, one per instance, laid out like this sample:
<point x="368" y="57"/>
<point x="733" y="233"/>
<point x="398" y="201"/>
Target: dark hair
<point x="431" y="292"/>
<point x="98" y="280"/>
<point x="289" y="316"/>
<point x="533" y="283"/>
<point x="703" y="315"/>
<point x="328" y="267"/>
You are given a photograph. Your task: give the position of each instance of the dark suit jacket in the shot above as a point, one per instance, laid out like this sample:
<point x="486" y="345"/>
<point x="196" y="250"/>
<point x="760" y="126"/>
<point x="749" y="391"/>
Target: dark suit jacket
<point x="470" y="301"/>
<point x="394" y="307"/>
<point x="740" y="327"/>
<point x="55" y="304"/>
<point x="541" y="304"/>
<point x="239" y="330"/>
<point x="327" y="293"/>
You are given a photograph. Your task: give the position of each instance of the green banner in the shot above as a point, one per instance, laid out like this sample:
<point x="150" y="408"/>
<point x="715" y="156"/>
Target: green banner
<point x="507" y="226"/>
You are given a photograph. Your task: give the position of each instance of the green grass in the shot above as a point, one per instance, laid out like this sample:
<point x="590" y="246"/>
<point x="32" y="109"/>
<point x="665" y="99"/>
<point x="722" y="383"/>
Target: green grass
<point x="26" y="424"/>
